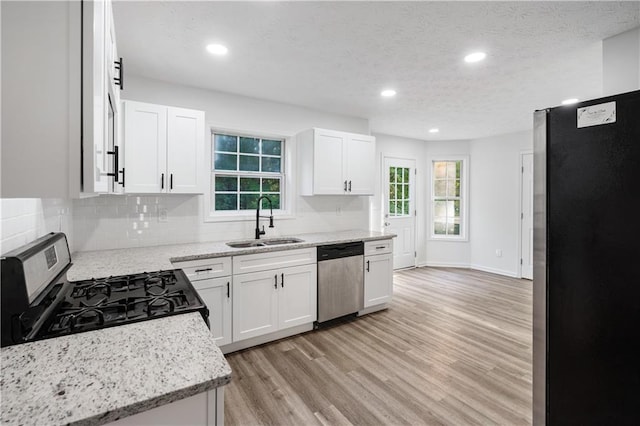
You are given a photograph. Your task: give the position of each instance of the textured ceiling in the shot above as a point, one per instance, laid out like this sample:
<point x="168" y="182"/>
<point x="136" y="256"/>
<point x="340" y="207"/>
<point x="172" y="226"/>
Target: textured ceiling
<point x="338" y="56"/>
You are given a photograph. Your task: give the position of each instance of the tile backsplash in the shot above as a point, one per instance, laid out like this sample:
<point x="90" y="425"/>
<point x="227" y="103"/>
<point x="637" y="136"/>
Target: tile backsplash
<point x="122" y="221"/>
<point x="22" y="220"/>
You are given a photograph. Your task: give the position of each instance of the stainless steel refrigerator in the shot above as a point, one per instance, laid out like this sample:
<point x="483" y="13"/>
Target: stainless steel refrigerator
<point x="586" y="320"/>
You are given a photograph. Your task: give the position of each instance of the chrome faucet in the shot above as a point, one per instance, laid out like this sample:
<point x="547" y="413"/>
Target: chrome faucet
<point x="258" y="231"/>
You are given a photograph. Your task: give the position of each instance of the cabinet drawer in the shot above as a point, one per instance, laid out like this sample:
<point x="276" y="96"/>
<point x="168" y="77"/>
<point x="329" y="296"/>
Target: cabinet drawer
<point x="205" y="268"/>
<point x="273" y="260"/>
<point x="378" y="247"/>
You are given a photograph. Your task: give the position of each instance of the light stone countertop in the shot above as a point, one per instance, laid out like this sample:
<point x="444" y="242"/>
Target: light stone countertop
<point x="104" y="263"/>
<point x="100" y="376"/>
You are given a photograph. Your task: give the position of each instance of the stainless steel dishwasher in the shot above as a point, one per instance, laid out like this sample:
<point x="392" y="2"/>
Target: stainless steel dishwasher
<point x="340" y="280"/>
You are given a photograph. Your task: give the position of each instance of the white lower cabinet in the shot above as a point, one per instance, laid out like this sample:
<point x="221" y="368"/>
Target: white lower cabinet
<point x="269" y="301"/>
<point x="216" y="294"/>
<point x="378" y="274"/>
<point x="212" y="279"/>
<point x="204" y="409"/>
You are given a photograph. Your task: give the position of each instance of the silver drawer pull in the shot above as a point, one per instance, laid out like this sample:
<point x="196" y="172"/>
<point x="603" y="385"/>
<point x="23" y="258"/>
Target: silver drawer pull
<point x="204" y="270"/>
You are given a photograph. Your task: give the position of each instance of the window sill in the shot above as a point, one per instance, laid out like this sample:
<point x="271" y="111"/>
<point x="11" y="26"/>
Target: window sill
<point x="448" y="239"/>
<point x="244" y="217"/>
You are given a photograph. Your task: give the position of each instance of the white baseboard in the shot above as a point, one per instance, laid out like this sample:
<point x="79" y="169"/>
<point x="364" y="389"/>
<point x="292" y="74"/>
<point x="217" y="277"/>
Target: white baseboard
<point x="468" y="266"/>
<point x="494" y="271"/>
<point x="259" y="340"/>
<point x="446" y="265"/>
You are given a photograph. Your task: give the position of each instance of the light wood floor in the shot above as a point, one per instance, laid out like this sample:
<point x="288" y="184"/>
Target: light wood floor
<point x="453" y="348"/>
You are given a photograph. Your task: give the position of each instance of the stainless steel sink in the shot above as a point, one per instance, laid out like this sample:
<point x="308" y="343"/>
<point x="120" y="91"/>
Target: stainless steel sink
<point x="264" y="242"/>
<point x="276" y="241"/>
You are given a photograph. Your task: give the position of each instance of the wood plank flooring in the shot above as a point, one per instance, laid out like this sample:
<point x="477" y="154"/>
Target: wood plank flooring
<point x="454" y="348"/>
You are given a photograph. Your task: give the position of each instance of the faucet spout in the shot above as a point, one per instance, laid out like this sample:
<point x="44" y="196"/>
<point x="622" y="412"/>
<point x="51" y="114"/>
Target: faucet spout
<point x="258" y="230"/>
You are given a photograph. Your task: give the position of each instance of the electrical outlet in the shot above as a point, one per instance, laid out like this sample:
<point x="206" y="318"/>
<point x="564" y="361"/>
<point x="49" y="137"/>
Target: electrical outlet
<point x="162" y="215"/>
<point x="498" y="252"/>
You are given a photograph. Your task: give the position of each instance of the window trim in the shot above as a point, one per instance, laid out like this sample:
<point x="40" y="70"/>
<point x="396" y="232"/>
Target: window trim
<point x="464" y="199"/>
<point x="287" y="190"/>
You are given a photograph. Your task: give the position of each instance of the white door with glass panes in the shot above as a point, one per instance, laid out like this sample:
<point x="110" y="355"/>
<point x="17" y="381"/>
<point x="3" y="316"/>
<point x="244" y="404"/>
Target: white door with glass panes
<point x="400" y="211"/>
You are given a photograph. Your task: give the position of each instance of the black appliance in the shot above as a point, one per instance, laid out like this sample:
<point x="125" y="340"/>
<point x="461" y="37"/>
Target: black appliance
<point x="586" y="357"/>
<point x="38" y="301"/>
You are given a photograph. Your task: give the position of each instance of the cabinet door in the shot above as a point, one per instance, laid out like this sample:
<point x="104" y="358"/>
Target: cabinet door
<point x="185" y="150"/>
<point x="328" y="162"/>
<point x="297" y="296"/>
<point x="255" y="304"/>
<point x="216" y="294"/>
<point x="95" y="158"/>
<point x="360" y="164"/>
<point x="145" y="143"/>
<point x="378" y="279"/>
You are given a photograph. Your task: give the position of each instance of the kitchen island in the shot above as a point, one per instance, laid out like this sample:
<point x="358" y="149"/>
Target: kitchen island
<point x="101" y="376"/>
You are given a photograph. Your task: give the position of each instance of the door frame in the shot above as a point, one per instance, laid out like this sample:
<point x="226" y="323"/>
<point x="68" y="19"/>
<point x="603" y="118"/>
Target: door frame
<point x="520" y="166"/>
<point x="384" y="202"/>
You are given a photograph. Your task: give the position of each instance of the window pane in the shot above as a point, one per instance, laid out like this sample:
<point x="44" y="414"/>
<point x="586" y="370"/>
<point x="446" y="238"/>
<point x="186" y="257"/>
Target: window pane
<point x="225" y="162"/>
<point x="226" y="201"/>
<point x="440" y="208"/>
<point x="451" y="169"/>
<point x="458" y="167"/>
<point x="250" y="184"/>
<point x="439" y="226"/>
<point x="226" y="143"/>
<point x="398" y="208"/>
<point x="405" y="208"/>
<point x="249" y="163"/>
<point x="392" y="192"/>
<point x="406" y="192"/>
<point x="250" y="145"/>
<point x="406" y="175"/>
<point x="440" y="188"/>
<point x="248" y="201"/>
<point x="226" y="183"/>
<point x="450" y="209"/>
<point x="270" y="164"/>
<point x="392" y="174"/>
<point x="440" y="169"/>
<point x="270" y="147"/>
<point x="457" y="187"/>
<point x="451" y="188"/>
<point x="270" y="185"/>
<point x="456" y="209"/>
<point x="392" y="208"/>
<point x="275" y="200"/>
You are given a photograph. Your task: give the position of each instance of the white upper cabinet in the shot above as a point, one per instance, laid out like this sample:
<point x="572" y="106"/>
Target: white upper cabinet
<point x="164" y="149"/>
<point x="335" y="163"/>
<point x="58" y="137"/>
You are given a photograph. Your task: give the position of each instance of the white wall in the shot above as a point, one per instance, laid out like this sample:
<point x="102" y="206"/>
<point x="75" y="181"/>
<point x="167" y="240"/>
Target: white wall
<point x="25" y="219"/>
<point x="399" y="147"/>
<point x="621" y="63"/>
<point x="446" y="253"/>
<point x="495" y="201"/>
<point x="130" y="221"/>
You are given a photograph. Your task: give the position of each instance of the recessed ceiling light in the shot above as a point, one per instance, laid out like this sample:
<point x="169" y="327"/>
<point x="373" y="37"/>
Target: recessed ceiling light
<point x="434" y="130"/>
<point x="388" y="93"/>
<point x="569" y="101"/>
<point x="475" y="57"/>
<point x="217" y="49"/>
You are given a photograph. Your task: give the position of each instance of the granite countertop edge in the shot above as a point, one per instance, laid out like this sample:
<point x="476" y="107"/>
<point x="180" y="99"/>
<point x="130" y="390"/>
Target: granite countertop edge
<point x="266" y="249"/>
<point x="149" y="404"/>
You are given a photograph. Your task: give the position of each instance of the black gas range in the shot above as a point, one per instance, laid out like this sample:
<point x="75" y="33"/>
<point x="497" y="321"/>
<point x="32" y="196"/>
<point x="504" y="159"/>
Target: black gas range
<point x="38" y="301"/>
